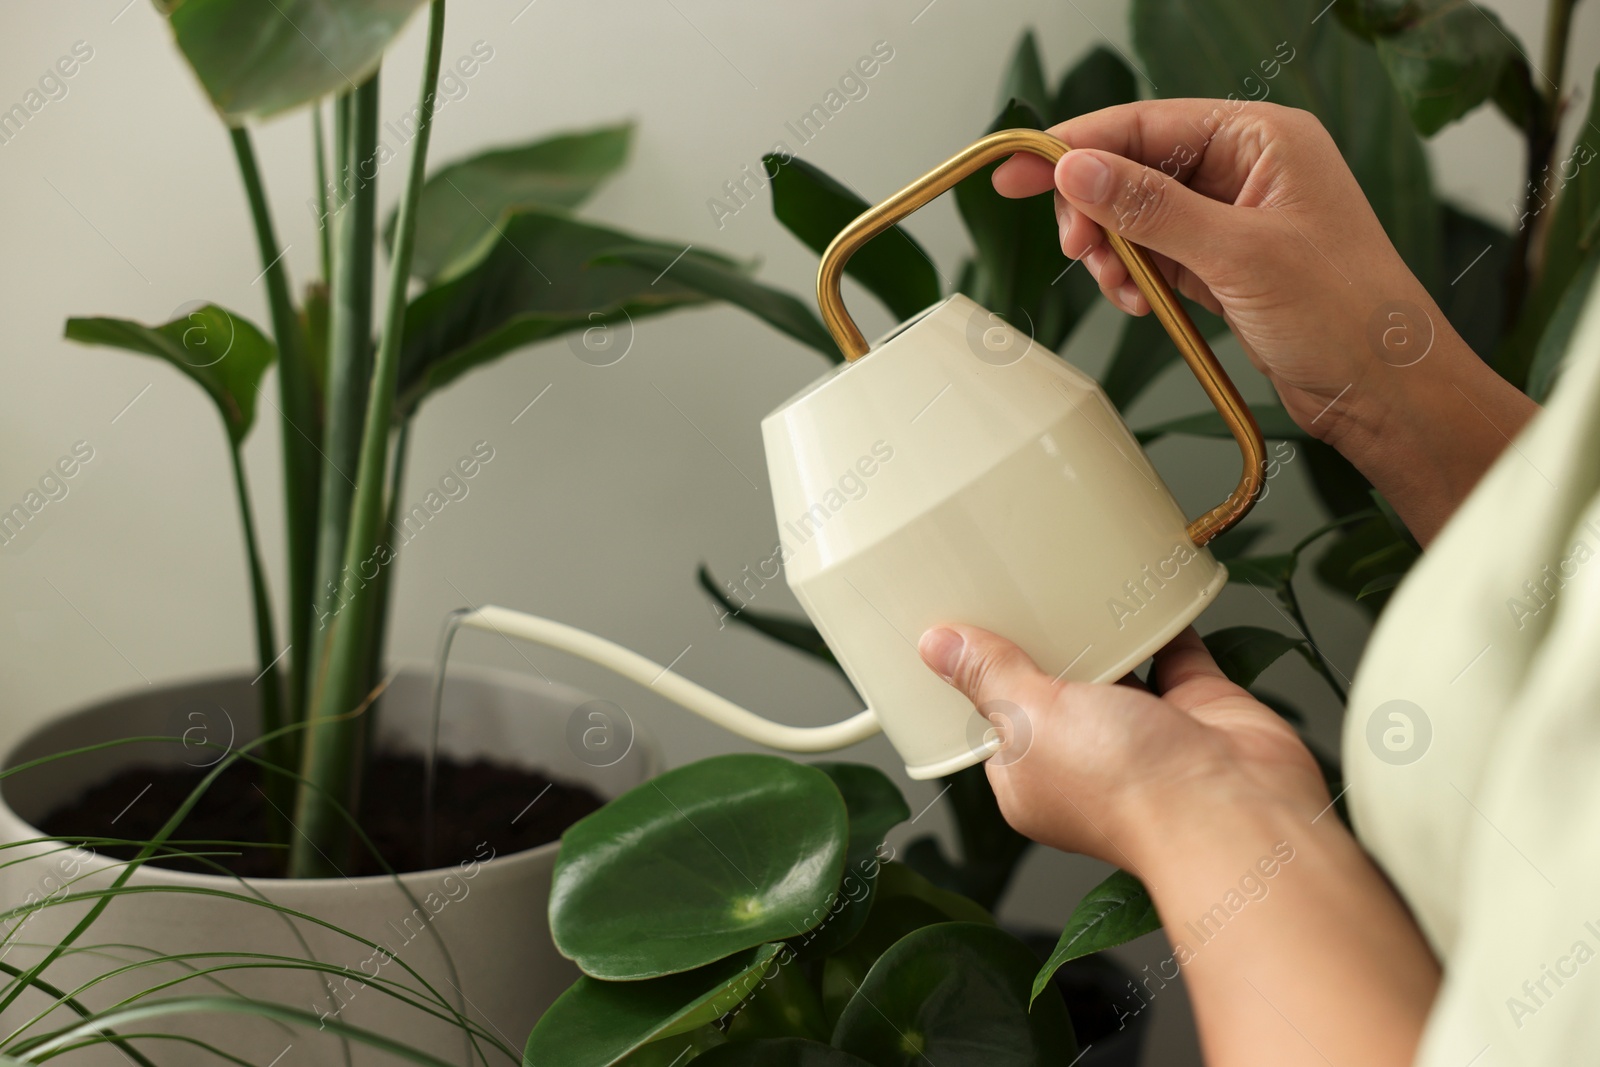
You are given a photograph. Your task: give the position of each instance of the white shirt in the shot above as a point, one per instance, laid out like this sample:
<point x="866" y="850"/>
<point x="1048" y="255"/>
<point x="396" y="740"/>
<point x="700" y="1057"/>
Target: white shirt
<point x="1472" y="744"/>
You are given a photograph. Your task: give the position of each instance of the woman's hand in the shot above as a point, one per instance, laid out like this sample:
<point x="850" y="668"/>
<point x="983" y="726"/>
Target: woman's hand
<point x="1101" y="769"/>
<point x="1293" y="948"/>
<point x="1249" y="209"/>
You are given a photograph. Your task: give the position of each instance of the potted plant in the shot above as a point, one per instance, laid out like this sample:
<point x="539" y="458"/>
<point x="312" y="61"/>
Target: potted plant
<point x="1514" y="295"/>
<point x="303" y="840"/>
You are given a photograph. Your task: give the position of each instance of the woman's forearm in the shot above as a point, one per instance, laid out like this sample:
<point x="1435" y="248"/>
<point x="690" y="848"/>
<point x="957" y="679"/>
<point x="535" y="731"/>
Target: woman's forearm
<point x="1424" y="432"/>
<point x="1293" y="947"/>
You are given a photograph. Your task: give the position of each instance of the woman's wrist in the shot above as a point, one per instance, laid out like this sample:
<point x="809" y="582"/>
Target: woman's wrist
<point x="1423" y="424"/>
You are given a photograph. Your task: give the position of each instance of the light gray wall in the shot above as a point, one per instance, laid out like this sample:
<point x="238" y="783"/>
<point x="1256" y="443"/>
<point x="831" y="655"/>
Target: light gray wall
<point x="122" y="199"/>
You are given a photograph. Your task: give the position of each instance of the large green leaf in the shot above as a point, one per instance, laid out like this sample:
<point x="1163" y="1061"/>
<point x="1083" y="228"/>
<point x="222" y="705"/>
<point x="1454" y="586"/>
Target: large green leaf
<point x="1024" y="80"/>
<point x="1243" y="652"/>
<point x="903" y="901"/>
<point x="597" y="1023"/>
<point x="955" y="994"/>
<point x="256" y="59"/>
<point x="1099" y="80"/>
<point x="464" y="204"/>
<point x="1021" y="274"/>
<point x="223" y="353"/>
<point x="671" y="1051"/>
<point x="875" y="807"/>
<point x="1116" y="911"/>
<point x="1445" y="58"/>
<point x="720" y="279"/>
<point x="537" y="281"/>
<point x="1213" y="48"/>
<point x="779" y="1052"/>
<point x="704" y="861"/>
<point x="1144" y="352"/>
<point x="815" y="207"/>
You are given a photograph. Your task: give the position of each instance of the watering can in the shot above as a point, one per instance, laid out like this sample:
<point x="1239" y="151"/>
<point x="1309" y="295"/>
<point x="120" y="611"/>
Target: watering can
<point x="955" y="472"/>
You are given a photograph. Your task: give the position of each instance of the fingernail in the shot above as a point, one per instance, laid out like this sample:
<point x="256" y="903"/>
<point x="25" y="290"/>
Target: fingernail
<point x="941" y="650"/>
<point x="1084" y="178"/>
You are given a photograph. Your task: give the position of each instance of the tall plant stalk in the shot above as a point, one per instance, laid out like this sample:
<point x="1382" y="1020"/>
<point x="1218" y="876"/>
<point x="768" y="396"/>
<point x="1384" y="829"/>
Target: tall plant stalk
<point x="297" y="407"/>
<point x="280" y="748"/>
<point x="332" y="739"/>
<point x="353" y="250"/>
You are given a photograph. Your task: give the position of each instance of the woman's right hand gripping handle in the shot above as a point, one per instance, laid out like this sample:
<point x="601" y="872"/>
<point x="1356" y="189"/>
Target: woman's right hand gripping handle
<point x="1250" y="210"/>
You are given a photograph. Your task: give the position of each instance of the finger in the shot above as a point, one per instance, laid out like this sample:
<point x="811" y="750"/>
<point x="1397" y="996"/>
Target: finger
<point x="1196" y="141"/>
<point x="983" y="666"/>
<point x="1183" y="661"/>
<point x="1145" y="206"/>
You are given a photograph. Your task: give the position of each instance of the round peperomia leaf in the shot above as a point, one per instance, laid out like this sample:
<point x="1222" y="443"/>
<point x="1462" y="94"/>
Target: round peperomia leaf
<point x="779" y="1052"/>
<point x="695" y="865"/>
<point x="597" y="1023"/>
<point x="955" y="994"/>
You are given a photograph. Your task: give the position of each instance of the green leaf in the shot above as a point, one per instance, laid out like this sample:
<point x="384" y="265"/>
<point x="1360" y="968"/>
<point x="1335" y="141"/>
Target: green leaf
<point x="1144" y="352"/>
<point x="815" y="207"/>
<point x="1555" y="344"/>
<point x="1472" y="286"/>
<point x="1379" y="585"/>
<point x="537" y="282"/>
<point x="903" y="901"/>
<point x="256" y="59"/>
<point x="223" y="353"/>
<point x="796" y="633"/>
<point x="720" y="279"/>
<point x="597" y="1023"/>
<point x="1024" y="78"/>
<point x="1116" y="911"/>
<point x="1266" y="572"/>
<point x="1021" y="274"/>
<point x="1445" y="59"/>
<point x="955" y="994"/>
<point x="1243" y="652"/>
<point x="1368" y="550"/>
<point x="1283" y="53"/>
<point x="779" y="1052"/>
<point x="464" y="204"/>
<point x="1274" y="421"/>
<point x="786" y="1005"/>
<point x="1571" y="236"/>
<point x="1099" y="80"/>
<point x="703" y="861"/>
<point x="671" y="1051"/>
<point x="875" y="807"/>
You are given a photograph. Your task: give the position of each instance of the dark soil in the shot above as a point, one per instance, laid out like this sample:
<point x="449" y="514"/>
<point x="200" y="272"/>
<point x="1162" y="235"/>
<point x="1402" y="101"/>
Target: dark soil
<point x="478" y="806"/>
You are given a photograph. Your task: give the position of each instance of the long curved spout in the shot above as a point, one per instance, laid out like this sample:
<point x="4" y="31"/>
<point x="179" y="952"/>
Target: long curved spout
<point x="675" y="687"/>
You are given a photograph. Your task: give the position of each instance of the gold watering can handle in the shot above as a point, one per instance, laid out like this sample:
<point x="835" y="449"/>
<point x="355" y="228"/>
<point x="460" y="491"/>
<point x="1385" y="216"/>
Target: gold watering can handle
<point x="1202" y="361"/>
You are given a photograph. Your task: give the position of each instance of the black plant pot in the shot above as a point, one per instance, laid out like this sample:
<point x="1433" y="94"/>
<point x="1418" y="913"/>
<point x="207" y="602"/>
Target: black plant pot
<point x="1110" y="1019"/>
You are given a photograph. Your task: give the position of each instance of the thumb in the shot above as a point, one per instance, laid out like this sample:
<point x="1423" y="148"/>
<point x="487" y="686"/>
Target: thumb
<point x="982" y="665"/>
<point x="1145" y="206"/>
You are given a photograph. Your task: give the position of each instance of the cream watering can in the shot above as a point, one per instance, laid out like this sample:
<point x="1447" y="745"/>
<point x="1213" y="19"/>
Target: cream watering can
<point x="954" y="472"/>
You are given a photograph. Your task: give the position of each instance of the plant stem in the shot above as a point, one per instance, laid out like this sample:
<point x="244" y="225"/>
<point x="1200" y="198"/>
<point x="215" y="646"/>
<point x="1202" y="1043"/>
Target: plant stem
<point x="1541" y="129"/>
<point x="297" y="406"/>
<point x="319" y="149"/>
<point x="1317" y="659"/>
<point x="281" y="749"/>
<point x="332" y="744"/>
<point x="349" y="347"/>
